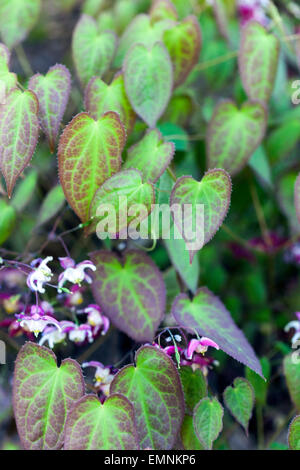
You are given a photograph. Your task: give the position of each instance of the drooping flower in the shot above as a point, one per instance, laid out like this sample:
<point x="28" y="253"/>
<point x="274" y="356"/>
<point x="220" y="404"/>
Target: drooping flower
<point x="40" y="275"/>
<point x="295" y="324"/>
<point x="96" y="319"/>
<point x="75" y="297"/>
<point x="103" y="375"/>
<point x="74" y="273"/>
<point x="253" y="10"/>
<point x="53" y="336"/>
<point x="199" y="346"/>
<point x="36" y="321"/>
<point x="77" y="333"/>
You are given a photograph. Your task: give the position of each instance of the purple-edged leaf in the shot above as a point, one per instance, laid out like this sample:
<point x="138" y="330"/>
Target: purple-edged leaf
<point x="17" y="18"/>
<point x="234" y="134"/>
<point x="151" y="155"/>
<point x="297" y="197"/>
<point x="188" y="436"/>
<point x="194" y="387"/>
<point x="208" y="316"/>
<point x="93" y="51"/>
<point x="19" y="131"/>
<point x="131" y="292"/>
<point x="43" y="394"/>
<point x="89" y="152"/>
<point x="52" y="91"/>
<point x="213" y="194"/>
<point x="258" y="60"/>
<point x="208" y="421"/>
<point x="100" y="98"/>
<point x="162" y="10"/>
<point x="239" y="399"/>
<point x="291" y="367"/>
<point x="183" y="42"/>
<point x="294" y="434"/>
<point x="153" y="387"/>
<point x="95" y="426"/>
<point x="122" y="201"/>
<point x="148" y="79"/>
<point x="8" y="80"/>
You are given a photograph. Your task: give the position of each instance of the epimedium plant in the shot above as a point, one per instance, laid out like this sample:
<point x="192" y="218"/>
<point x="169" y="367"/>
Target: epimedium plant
<point x="136" y="70"/>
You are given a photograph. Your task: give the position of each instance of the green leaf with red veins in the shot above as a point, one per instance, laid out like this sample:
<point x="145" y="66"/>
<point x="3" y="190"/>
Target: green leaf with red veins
<point x="153" y="387"/>
<point x="213" y="193"/>
<point x="19" y="131"/>
<point x="234" y="134"/>
<point x="162" y="10"/>
<point x="258" y="61"/>
<point x="291" y="367"/>
<point x="294" y="434"/>
<point x="100" y="98"/>
<point x="128" y="196"/>
<point x="17" y="18"/>
<point x="151" y="155"/>
<point x="43" y="394"/>
<point x="131" y="292"/>
<point x="239" y="399"/>
<point x="8" y="79"/>
<point x="188" y="436"/>
<point x="183" y="42"/>
<point x="141" y="30"/>
<point x="53" y="92"/>
<point x="208" y="421"/>
<point x="107" y="426"/>
<point x="89" y="152"/>
<point x="93" y="51"/>
<point x="148" y="79"/>
<point x="206" y="314"/>
<point x="297" y="197"/>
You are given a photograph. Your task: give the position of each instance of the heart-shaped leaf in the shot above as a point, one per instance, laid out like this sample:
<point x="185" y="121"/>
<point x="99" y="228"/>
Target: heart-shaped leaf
<point x="131" y="292"/>
<point x="89" y="152"/>
<point x="93" y="52"/>
<point x="258" y="60"/>
<point x="239" y="399"/>
<point x="43" y="394"/>
<point x="128" y="201"/>
<point x="291" y="366"/>
<point x="188" y="436"/>
<point x="151" y="155"/>
<point x="194" y="387"/>
<point x="297" y="197"/>
<point x="100" y="98"/>
<point x="212" y="194"/>
<point x="162" y="10"/>
<point x="19" y="131"/>
<point x="107" y="426"/>
<point x="208" y="316"/>
<point x="294" y="434"/>
<point x="183" y="42"/>
<point x="17" y="18"/>
<point x="153" y="387"/>
<point x="234" y="134"/>
<point x="53" y="92"/>
<point x="148" y="79"/>
<point x="208" y="421"/>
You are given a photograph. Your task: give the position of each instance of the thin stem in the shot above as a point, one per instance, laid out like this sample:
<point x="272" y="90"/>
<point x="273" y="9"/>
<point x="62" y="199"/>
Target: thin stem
<point x="171" y="173"/>
<point x="23" y="60"/>
<point x="260" y="214"/>
<point x="217" y="61"/>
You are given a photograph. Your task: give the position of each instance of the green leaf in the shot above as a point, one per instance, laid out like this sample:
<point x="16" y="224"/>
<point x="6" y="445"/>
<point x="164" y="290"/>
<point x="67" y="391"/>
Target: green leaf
<point x="17" y="18"/>
<point x="239" y="399"/>
<point x="100" y="98"/>
<point x="162" y="10"/>
<point x="183" y="41"/>
<point x="93" y="52"/>
<point x="148" y="79"/>
<point x="51" y="205"/>
<point x="52" y="91"/>
<point x="259" y="385"/>
<point x="7" y="220"/>
<point x="194" y="387"/>
<point x="188" y="436"/>
<point x="179" y="111"/>
<point x="151" y="155"/>
<point x="107" y="426"/>
<point x="131" y="292"/>
<point x="19" y="130"/>
<point x="213" y="194"/>
<point x="287" y="194"/>
<point x="24" y="191"/>
<point x="93" y="7"/>
<point x="6" y="77"/>
<point x="154" y="389"/>
<point x="208" y="316"/>
<point x="291" y="366"/>
<point x="43" y="394"/>
<point x="122" y="201"/>
<point x="297" y="197"/>
<point x="183" y="7"/>
<point x="294" y="434"/>
<point x="208" y="421"/>
<point x="89" y="152"/>
<point x="259" y="163"/>
<point x="282" y="140"/>
<point x="234" y="134"/>
<point x="258" y="61"/>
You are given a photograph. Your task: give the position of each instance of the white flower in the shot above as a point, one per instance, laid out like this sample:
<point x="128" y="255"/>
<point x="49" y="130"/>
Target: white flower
<point x="36" y="323"/>
<point x="40" y="275"/>
<point x="52" y="336"/>
<point x="74" y="273"/>
<point x="295" y="324"/>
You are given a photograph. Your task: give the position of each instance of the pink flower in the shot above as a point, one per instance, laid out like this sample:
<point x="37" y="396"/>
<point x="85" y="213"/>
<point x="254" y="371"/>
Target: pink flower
<point x="40" y="275"/>
<point x="103" y="375"/>
<point x="199" y="346"/>
<point x="253" y="10"/>
<point x="36" y="321"/>
<point x="77" y="333"/>
<point x="74" y="273"/>
<point x="96" y="319"/>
